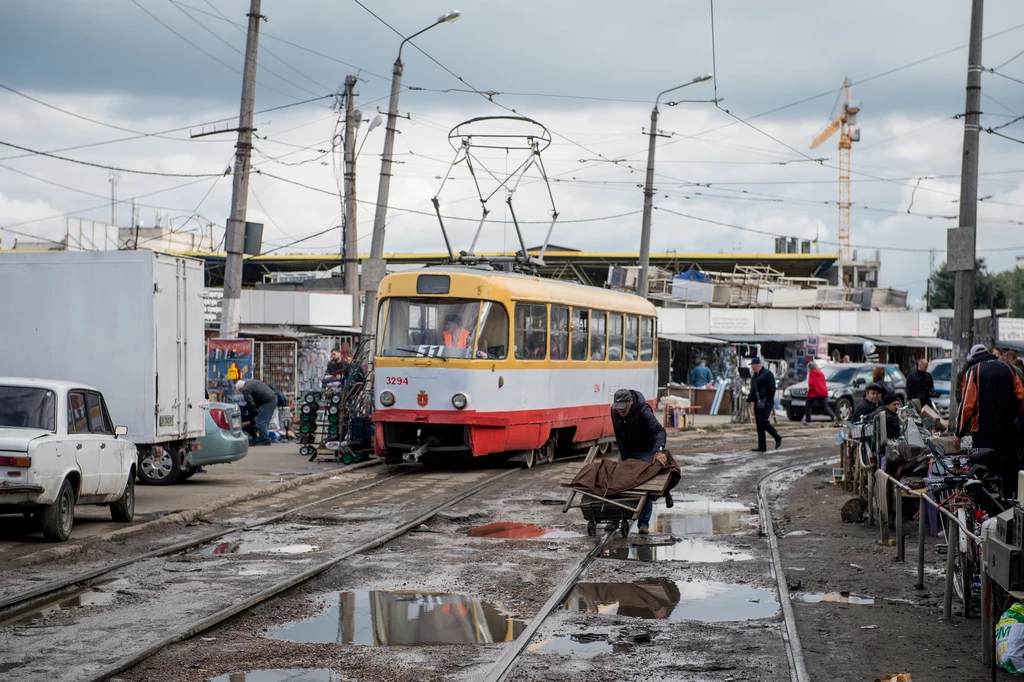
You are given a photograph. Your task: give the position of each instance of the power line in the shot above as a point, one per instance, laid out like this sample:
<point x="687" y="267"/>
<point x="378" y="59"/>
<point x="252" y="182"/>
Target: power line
<point x="105" y="167"/>
<point x="1010" y="59"/>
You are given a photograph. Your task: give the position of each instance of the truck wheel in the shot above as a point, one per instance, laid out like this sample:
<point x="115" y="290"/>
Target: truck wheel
<point x="188" y="473"/>
<point x="162" y="469"/>
<point x="123" y="511"/>
<point x="58" y="518"/>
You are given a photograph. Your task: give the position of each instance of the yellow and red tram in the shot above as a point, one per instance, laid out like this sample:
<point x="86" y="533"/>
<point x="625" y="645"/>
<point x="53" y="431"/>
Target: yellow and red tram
<point x="472" y="361"/>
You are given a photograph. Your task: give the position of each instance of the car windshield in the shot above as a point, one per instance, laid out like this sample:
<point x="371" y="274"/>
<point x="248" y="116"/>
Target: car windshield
<point x="443" y="328"/>
<point x="839" y="374"/>
<point x="24" y="407"/>
<point x="942" y="371"/>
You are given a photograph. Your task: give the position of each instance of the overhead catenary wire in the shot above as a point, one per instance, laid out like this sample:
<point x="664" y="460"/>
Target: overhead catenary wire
<point x="108" y="167"/>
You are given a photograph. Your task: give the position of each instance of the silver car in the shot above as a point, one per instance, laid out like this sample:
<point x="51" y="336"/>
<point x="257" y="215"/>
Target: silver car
<point x="941" y="371"/>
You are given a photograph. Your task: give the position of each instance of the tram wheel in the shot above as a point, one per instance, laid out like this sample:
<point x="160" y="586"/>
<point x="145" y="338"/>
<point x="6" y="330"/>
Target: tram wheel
<point x="530" y="459"/>
<point x="604" y="448"/>
<point x="547" y="453"/>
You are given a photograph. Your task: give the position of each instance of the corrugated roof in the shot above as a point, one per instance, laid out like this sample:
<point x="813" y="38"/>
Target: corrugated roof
<point x="689" y="338"/>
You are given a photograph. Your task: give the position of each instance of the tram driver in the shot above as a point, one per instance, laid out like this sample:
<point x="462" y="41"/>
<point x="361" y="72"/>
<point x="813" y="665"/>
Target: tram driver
<point x="455" y="335"/>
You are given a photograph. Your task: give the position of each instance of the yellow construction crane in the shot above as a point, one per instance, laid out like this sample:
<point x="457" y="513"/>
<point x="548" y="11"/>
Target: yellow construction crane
<point x="847" y="136"/>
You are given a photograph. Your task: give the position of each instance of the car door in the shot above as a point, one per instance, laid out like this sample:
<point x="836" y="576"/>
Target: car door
<point x="860" y="382"/>
<point x="111" y="462"/>
<point x="87" y="447"/>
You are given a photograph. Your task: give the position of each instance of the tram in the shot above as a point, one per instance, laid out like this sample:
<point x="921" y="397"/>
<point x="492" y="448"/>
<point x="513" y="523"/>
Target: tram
<point x="473" y="361"/>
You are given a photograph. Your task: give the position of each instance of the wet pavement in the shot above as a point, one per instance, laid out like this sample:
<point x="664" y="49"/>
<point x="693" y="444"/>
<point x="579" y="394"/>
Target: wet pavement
<point x="676" y="600"/>
<point x="701" y="516"/>
<point x="101" y="593"/>
<point x="254" y="547"/>
<point x="518" y="531"/>
<point x="692" y="549"/>
<point x="292" y="675"/>
<point x="834" y="598"/>
<point x="371" y="618"/>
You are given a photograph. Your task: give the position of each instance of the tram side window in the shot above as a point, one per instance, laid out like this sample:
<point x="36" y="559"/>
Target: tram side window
<point x="493" y="343"/>
<point x="646" y="339"/>
<point x="615" y="336"/>
<point x="579" y="333"/>
<point x="559" y="333"/>
<point x="531" y="331"/>
<point x="598" y="326"/>
<point x="632" y="337"/>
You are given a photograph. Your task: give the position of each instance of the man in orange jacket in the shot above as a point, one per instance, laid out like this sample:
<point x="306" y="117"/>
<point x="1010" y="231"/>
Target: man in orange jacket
<point x="455" y="335"/>
<point x="992" y="397"/>
<point x="817" y="393"/>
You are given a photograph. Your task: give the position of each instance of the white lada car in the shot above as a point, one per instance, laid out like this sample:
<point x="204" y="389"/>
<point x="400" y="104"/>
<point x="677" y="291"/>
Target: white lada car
<point x="59" y="448"/>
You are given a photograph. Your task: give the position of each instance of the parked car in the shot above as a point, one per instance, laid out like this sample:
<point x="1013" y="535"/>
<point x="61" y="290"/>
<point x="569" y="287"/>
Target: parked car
<point x="845" y="384"/>
<point x="224" y="440"/>
<point x="59" y="448"/>
<point x="941" y="371"/>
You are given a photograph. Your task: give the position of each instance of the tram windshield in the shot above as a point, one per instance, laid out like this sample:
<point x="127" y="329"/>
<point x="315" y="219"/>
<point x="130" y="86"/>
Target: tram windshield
<point x="443" y="328"/>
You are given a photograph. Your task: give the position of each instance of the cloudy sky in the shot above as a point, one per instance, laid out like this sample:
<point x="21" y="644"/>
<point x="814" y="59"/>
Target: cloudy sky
<point x="588" y="70"/>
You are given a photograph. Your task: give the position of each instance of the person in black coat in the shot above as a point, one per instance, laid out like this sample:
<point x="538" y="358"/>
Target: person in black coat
<point x="890" y="405"/>
<point x="872" y="401"/>
<point x="920" y="384"/>
<point x="762" y="394"/>
<point x="638" y="435"/>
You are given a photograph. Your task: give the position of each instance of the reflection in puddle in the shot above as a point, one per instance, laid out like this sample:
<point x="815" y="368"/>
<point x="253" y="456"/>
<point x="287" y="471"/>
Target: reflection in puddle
<point x="100" y="594"/>
<point x="662" y="598"/>
<point x="703" y="517"/>
<point x="402" y="619"/>
<point x="835" y="597"/>
<point x="254" y="547"/>
<point x="293" y="675"/>
<point x="518" y="531"/>
<point x="581" y="644"/>
<point x="692" y="549"/>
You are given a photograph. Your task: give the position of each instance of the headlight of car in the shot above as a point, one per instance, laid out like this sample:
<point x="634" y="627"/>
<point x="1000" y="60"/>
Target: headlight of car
<point x="787" y="393"/>
<point x="837" y="393"/>
<point x="387" y="398"/>
<point x="459" y="401"/>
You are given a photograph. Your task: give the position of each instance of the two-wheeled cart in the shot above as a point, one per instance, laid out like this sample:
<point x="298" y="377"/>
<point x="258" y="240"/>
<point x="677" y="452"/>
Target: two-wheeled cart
<point x="622" y="508"/>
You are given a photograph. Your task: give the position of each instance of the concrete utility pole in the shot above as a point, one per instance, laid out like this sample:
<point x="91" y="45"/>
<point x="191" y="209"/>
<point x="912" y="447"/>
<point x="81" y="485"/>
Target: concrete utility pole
<point x="374" y="269"/>
<point x="351" y="245"/>
<point x="961" y="240"/>
<point x="234" y="240"/>
<point x="645" y="229"/>
<point x="114" y="177"/>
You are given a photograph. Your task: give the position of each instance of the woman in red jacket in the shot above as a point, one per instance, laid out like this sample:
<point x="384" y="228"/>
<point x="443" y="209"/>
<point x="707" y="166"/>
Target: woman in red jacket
<point x="817" y="393"/>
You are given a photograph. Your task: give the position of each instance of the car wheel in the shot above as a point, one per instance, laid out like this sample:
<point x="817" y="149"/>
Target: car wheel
<point x="58" y="518"/>
<point x="188" y="473"/>
<point x="162" y="469"/>
<point x="794" y="416"/>
<point x="844" y="409"/>
<point x="123" y="511"/>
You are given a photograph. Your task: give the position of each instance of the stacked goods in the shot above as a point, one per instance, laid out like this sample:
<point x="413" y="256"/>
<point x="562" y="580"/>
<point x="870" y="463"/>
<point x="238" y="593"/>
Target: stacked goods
<point x="308" y="411"/>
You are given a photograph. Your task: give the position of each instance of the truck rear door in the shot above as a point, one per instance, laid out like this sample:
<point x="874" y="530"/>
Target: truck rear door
<point x="168" y="322"/>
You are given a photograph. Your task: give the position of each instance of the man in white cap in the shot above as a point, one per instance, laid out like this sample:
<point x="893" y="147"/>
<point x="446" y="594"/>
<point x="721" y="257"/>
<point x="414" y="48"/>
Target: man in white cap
<point x="991" y="399"/>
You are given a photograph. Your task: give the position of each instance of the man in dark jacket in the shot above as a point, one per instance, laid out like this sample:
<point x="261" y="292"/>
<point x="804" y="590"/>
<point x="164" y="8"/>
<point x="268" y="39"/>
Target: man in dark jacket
<point x="762" y="394"/>
<point x="890" y="405"/>
<point x="263" y="399"/>
<point x="337" y="367"/>
<point x="872" y="401"/>
<point x="992" y="399"/>
<point x="920" y="384"/>
<point x="638" y="435"/>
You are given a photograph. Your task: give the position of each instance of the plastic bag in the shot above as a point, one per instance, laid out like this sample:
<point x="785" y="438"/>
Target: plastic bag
<point x="1010" y="640"/>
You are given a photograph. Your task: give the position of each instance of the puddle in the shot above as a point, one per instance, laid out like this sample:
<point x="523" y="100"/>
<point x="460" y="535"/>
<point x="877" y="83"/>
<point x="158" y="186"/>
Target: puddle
<point x="518" y="531"/>
<point x="692" y="549"/>
<point x="293" y="675"/>
<point x="662" y="598"/>
<point x="703" y="517"/>
<point x="100" y="594"/>
<point x="581" y="645"/>
<point x="253" y="547"/>
<point x="835" y="597"/>
<point x="402" y="619"/>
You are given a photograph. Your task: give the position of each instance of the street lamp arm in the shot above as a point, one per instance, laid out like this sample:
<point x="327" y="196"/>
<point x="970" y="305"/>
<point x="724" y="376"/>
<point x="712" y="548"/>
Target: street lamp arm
<point x="697" y="79"/>
<point x="447" y="18"/>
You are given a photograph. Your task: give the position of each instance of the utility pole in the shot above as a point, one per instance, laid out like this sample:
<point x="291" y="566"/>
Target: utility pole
<point x="114" y="177"/>
<point x="234" y="240"/>
<point x="961" y="240"/>
<point x="928" y="282"/>
<point x="351" y="244"/>
<point x="375" y="268"/>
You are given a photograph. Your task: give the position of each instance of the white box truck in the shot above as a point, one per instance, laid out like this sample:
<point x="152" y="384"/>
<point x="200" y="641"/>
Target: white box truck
<point x="129" y="323"/>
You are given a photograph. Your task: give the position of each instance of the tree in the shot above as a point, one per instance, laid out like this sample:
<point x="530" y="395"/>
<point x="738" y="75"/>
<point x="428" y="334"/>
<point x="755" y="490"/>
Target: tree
<point x="985" y="284"/>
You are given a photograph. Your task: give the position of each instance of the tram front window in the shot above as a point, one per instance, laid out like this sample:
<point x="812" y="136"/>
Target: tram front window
<point x="445" y="327"/>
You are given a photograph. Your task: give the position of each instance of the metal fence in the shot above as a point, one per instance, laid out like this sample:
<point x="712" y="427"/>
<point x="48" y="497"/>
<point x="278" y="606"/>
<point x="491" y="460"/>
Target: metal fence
<point x="274" y="364"/>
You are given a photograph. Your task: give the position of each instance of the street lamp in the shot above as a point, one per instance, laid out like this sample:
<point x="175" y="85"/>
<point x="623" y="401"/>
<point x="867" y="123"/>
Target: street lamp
<point x="373" y="271"/>
<point x="645" y="230"/>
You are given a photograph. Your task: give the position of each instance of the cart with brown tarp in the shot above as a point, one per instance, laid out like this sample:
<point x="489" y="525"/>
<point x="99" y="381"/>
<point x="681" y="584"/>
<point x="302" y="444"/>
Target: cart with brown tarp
<point x="604" y="500"/>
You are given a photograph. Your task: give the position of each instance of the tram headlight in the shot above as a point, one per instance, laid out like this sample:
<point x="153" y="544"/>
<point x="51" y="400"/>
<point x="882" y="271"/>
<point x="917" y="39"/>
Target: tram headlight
<point x="387" y="398"/>
<point x="459" y="401"/>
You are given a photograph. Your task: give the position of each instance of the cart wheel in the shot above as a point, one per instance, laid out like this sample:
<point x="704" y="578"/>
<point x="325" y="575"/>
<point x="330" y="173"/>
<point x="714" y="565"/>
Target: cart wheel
<point x="591" y="529"/>
<point x="357" y="457"/>
<point x="346" y="458"/>
<point x="624" y="528"/>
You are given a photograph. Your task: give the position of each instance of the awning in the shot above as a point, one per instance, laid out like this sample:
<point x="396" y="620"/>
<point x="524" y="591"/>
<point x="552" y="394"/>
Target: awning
<point x="845" y="340"/>
<point x="761" y="338"/>
<point x="689" y="338"/>
<point x="912" y="342"/>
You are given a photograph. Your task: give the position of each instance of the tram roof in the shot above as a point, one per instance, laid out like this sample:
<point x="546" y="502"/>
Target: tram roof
<point x="519" y="286"/>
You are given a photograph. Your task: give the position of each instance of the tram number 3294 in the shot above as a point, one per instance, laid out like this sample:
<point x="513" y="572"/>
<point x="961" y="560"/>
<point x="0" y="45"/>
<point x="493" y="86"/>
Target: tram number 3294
<point x="397" y="381"/>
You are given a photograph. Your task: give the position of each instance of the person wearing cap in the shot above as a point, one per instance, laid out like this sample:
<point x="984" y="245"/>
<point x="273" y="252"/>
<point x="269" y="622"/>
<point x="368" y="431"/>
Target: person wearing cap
<point x="762" y="394"/>
<point x="991" y="400"/>
<point x="872" y="401"/>
<point x="638" y="435"/>
<point x="817" y="393"/>
<point x="890" y="405"/>
<point x="263" y="399"/>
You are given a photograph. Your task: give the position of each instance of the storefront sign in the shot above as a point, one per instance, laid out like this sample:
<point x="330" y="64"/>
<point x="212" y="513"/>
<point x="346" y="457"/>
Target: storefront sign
<point x="227" y="361"/>
<point x="725" y="321"/>
<point x="1011" y="328"/>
